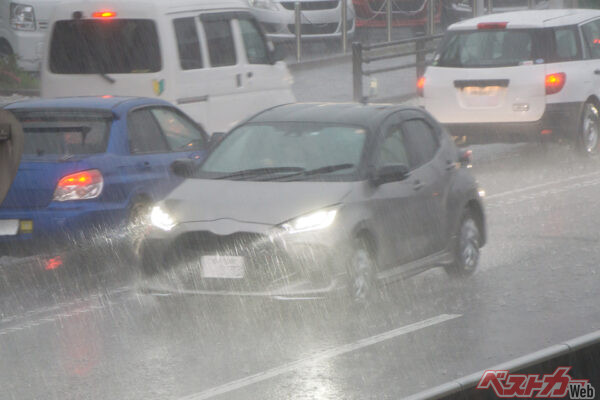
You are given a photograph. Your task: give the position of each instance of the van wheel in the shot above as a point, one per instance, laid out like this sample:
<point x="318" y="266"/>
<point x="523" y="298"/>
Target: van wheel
<point x="5" y="50"/>
<point x="587" y="140"/>
<point x="466" y="249"/>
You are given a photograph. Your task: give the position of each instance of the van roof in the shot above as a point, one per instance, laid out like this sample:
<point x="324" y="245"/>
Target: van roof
<point x="129" y="8"/>
<point x="531" y="18"/>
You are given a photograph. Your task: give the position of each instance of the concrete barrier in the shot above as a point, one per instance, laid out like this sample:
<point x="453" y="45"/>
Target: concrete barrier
<point x="582" y="354"/>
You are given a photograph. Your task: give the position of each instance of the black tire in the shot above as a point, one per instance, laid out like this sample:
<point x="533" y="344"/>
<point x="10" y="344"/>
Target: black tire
<point x="5" y="49"/>
<point x="587" y="140"/>
<point x="362" y="274"/>
<point x="466" y="248"/>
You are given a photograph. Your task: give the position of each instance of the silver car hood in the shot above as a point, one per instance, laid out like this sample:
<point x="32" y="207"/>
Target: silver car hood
<point x="268" y="203"/>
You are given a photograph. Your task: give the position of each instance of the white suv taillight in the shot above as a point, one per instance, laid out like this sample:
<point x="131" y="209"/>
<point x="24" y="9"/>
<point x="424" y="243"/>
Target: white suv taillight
<point x="82" y="185"/>
<point x="555" y="82"/>
<point x="22" y="17"/>
<point x="421" y="86"/>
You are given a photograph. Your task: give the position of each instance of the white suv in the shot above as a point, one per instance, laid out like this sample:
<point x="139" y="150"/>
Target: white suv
<point x="23" y="27"/>
<point x="519" y="76"/>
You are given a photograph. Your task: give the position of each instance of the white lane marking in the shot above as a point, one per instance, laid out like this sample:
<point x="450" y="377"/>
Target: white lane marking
<point x="541" y="185"/>
<point x="320" y="356"/>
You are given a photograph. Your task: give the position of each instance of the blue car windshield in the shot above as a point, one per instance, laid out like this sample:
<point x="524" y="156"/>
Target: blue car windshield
<point x="64" y="133"/>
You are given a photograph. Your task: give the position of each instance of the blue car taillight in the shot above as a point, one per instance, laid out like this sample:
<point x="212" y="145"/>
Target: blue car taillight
<point x="82" y="185"/>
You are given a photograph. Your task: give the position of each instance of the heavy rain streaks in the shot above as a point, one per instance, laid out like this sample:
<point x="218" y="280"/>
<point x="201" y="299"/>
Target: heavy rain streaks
<point x="201" y="212"/>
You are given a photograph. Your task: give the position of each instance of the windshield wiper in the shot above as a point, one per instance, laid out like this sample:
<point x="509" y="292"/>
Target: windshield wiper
<point x="323" y="170"/>
<point x="260" y="171"/>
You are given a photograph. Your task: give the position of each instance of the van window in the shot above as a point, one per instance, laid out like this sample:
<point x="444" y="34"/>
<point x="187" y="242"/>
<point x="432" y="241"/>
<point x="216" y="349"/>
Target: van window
<point x="591" y="34"/>
<point x="254" y="42"/>
<point x="188" y="43"/>
<point x="221" y="47"/>
<point x="489" y="48"/>
<point x="112" y="47"/>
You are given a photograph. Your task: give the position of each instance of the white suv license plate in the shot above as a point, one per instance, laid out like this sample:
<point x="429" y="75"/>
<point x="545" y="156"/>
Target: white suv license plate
<point x="9" y="227"/>
<point x="225" y="267"/>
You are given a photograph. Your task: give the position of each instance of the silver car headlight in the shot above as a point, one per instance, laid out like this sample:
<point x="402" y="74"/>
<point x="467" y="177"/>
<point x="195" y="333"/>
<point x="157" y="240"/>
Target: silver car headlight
<point x="22" y="17"/>
<point x="162" y="219"/>
<point x="264" y="4"/>
<point x="311" y="222"/>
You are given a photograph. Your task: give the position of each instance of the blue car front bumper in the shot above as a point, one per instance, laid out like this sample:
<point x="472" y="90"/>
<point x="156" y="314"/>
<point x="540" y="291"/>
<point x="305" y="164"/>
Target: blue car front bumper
<point x="60" y="224"/>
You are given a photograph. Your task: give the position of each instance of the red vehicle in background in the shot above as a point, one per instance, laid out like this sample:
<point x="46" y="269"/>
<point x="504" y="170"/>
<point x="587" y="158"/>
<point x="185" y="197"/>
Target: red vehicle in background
<point x="405" y="13"/>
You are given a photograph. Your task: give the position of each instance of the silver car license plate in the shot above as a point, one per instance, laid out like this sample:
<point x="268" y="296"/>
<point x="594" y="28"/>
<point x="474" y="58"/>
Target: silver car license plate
<point x="226" y="267"/>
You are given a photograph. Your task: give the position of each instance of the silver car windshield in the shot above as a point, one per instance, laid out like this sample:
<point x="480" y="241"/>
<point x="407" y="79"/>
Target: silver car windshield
<point x="294" y="148"/>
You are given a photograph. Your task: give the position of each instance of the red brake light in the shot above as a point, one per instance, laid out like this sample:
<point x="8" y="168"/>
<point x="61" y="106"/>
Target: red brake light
<point x="555" y="82"/>
<point x="492" y="25"/>
<point x="53" y="263"/>
<point x="79" y="186"/>
<point x="420" y="86"/>
<point x="104" y="14"/>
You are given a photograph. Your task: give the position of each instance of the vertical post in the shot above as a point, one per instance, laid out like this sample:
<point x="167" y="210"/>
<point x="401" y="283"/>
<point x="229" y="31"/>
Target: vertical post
<point x="531" y="4"/>
<point x="298" y="23"/>
<point x="344" y="26"/>
<point x="478" y="7"/>
<point x="357" y="71"/>
<point x="489" y="7"/>
<point x="388" y="12"/>
<point x="431" y="17"/>
<point x="420" y="57"/>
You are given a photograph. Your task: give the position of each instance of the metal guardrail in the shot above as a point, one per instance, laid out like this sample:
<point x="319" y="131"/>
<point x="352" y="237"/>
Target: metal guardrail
<point x="368" y="54"/>
<point x="582" y="353"/>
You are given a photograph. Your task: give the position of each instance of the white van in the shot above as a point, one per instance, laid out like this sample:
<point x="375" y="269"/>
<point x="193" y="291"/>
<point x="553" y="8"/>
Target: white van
<point x="23" y="28"/>
<point x="210" y="57"/>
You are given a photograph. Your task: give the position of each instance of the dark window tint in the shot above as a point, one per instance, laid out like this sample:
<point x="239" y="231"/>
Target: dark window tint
<point x="591" y="35"/>
<point x="117" y="46"/>
<point x="180" y="133"/>
<point x="392" y="150"/>
<point x="490" y="48"/>
<point x="221" y="46"/>
<point x="254" y="42"/>
<point x="566" y="44"/>
<point x="64" y="133"/>
<point x="188" y="43"/>
<point x="421" y="142"/>
<point x="144" y="133"/>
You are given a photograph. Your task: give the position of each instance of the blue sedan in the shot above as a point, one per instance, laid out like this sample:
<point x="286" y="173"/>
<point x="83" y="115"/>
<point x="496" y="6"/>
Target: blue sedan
<point x="92" y="165"/>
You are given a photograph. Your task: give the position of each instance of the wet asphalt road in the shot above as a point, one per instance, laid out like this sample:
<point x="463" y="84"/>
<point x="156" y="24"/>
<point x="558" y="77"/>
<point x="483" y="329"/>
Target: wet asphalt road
<point x="79" y="337"/>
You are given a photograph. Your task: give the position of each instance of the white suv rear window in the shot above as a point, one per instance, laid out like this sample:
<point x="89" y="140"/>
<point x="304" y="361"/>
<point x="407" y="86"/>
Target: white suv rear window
<point x="488" y="48"/>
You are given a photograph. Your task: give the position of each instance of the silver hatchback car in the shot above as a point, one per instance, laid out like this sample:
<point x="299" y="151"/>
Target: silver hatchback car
<point x="321" y="19"/>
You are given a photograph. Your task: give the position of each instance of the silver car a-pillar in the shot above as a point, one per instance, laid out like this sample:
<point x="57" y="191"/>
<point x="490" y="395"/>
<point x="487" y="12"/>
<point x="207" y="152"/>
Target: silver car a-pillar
<point x="11" y="148"/>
